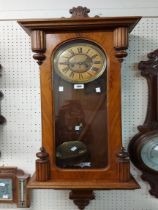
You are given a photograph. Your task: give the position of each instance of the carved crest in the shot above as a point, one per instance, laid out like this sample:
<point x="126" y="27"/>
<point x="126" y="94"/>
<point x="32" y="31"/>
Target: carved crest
<point x="79" y="12"/>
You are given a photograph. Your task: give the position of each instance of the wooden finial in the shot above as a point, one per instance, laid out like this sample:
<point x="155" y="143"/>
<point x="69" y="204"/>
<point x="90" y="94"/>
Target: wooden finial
<point x="43" y="155"/>
<point x="123" y="154"/>
<point x="123" y="166"/>
<point x="42" y="165"/>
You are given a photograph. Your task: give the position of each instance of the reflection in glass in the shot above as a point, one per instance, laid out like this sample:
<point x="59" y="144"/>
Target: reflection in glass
<point x="80" y="125"/>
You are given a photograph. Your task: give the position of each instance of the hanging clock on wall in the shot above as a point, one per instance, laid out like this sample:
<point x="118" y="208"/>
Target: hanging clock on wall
<point x="79" y="60"/>
<point x="143" y="148"/>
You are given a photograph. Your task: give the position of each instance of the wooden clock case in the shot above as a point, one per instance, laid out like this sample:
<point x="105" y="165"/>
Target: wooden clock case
<point x="112" y="35"/>
<point x="149" y="129"/>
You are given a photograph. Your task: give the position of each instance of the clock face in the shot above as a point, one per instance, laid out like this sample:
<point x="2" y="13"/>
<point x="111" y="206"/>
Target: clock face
<point x="149" y="153"/>
<point x="79" y="61"/>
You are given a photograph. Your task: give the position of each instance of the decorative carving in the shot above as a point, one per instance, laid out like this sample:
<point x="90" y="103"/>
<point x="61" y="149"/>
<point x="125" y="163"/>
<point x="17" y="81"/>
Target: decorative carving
<point x="152" y="179"/>
<point x="149" y="70"/>
<point x="38" y="45"/>
<point x="81" y="198"/>
<point x="42" y="165"/>
<point x="123" y="167"/>
<point x="121" y="42"/>
<point x="79" y="12"/>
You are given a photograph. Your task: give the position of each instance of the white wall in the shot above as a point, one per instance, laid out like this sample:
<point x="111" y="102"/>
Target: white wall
<point x="17" y="9"/>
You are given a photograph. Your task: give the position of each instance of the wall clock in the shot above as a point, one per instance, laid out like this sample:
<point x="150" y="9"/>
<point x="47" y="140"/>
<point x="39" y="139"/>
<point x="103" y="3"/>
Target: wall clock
<point x="143" y="148"/>
<point x="80" y="62"/>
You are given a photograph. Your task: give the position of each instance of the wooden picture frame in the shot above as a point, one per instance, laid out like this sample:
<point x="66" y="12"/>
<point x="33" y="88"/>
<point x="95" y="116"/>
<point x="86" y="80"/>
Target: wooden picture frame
<point x="13" y="187"/>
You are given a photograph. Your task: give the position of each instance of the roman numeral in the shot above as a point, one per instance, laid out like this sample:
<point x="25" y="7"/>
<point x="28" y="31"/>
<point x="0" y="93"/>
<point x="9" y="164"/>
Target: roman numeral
<point x="63" y="63"/>
<point x="72" y="74"/>
<point x="65" y="70"/>
<point x="89" y="73"/>
<point x="79" y="50"/>
<point x="94" y="56"/>
<point x="72" y="52"/>
<point x="87" y="51"/>
<point x="97" y="62"/>
<point x="80" y="76"/>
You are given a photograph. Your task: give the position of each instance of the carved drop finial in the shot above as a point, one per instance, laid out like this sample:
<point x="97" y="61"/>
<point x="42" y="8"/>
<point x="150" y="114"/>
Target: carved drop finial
<point x="81" y="198"/>
<point x="79" y="12"/>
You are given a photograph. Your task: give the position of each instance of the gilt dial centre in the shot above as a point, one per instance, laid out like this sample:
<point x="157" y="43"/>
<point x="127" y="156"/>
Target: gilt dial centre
<point x="80" y="63"/>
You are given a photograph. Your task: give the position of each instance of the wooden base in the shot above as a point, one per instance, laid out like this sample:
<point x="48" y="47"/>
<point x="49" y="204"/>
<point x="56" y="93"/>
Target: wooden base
<point x="82" y="191"/>
<point x="79" y="184"/>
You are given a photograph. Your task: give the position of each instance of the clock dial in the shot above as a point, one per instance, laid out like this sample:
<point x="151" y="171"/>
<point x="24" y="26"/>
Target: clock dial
<point x="79" y="61"/>
<point x="149" y="153"/>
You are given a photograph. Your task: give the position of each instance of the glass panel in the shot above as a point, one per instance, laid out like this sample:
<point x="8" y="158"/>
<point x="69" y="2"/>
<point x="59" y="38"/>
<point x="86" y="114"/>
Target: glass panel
<point x="80" y="109"/>
<point x="6" y="189"/>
